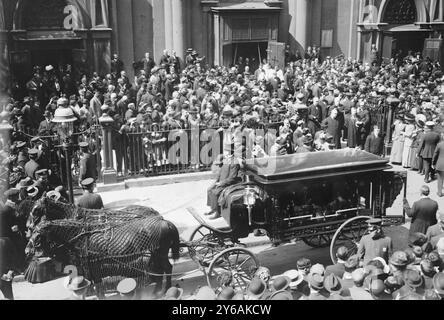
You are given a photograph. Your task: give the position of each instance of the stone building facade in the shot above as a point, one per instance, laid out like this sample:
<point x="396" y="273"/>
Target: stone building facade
<point x="85" y="33"/>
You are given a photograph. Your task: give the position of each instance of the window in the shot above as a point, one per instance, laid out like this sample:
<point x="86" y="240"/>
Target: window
<point x="99" y="13"/>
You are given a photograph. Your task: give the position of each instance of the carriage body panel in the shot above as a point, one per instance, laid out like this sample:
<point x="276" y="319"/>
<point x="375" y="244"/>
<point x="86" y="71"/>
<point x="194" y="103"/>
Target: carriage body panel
<point x="302" y="196"/>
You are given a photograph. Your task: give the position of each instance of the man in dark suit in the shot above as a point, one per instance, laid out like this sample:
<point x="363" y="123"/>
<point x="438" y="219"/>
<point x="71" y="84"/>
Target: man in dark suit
<point x="88" y="168"/>
<point x="338" y="269"/>
<point x="438" y="165"/>
<point x="96" y="104"/>
<point x="148" y="64"/>
<point x="427" y="149"/>
<point x="423" y="212"/>
<point x="314" y="116"/>
<point x="332" y="125"/>
<point x="32" y="166"/>
<point x="46" y="127"/>
<point x="116" y="65"/>
<point x="375" y="143"/>
<point x="228" y="175"/>
<point x="89" y="200"/>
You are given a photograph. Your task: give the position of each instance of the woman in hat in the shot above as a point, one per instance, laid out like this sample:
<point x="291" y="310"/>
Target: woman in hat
<point x="398" y="140"/>
<point x="416" y="159"/>
<point x="408" y="135"/>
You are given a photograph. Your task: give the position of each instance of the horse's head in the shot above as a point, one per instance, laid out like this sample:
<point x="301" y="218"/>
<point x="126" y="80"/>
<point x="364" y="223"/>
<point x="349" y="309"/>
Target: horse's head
<point x="38" y="244"/>
<point x="38" y="211"/>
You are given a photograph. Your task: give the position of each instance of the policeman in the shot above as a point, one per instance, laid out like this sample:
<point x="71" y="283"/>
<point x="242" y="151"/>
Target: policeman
<point x="32" y="166"/>
<point x="376" y="243"/>
<point x="88" y="168"/>
<point x="89" y="200"/>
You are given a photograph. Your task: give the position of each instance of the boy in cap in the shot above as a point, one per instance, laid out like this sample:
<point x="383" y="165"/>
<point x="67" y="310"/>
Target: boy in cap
<point x="89" y="200"/>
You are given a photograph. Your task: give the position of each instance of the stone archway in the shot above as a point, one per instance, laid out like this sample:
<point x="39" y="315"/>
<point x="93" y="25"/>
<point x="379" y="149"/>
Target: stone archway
<point x="419" y="6"/>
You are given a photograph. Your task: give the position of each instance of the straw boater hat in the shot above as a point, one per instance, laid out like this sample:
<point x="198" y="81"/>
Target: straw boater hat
<point x="78" y="283"/>
<point x="295" y="277"/>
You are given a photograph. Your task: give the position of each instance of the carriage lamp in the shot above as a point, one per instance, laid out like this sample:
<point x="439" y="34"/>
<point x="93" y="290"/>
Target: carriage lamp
<point x="249" y="201"/>
<point x="64" y="119"/>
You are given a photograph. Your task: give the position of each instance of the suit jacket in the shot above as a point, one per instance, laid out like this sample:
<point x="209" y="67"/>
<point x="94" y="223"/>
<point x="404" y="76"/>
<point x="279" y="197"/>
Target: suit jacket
<point x="374" y="145"/>
<point x="337" y="269"/>
<point x="31" y="167"/>
<point x="90" y="201"/>
<point x="88" y="168"/>
<point x="423" y="214"/>
<point x="438" y="157"/>
<point x="46" y="128"/>
<point x="370" y="248"/>
<point x="428" y="145"/>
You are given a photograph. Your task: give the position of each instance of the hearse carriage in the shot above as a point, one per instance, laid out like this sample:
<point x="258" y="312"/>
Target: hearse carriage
<point x="323" y="199"/>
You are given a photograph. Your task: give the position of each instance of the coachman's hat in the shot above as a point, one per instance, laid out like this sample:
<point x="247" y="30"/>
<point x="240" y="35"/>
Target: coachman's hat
<point x="87" y="182"/>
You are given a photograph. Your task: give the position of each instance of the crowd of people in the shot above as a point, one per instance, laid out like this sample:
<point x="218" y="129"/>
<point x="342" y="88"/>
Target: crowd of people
<point x="316" y="104"/>
<point x="374" y="273"/>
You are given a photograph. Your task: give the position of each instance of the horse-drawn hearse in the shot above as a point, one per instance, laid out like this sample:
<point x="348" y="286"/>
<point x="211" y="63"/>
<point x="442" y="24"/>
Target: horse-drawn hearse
<point x="323" y="199"/>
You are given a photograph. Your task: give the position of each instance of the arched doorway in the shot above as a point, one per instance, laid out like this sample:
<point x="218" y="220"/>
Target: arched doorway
<point x="402" y="35"/>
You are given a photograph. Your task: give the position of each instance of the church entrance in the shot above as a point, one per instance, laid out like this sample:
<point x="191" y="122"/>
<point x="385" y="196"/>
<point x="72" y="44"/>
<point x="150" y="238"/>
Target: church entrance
<point x="400" y="43"/>
<point x="255" y="52"/>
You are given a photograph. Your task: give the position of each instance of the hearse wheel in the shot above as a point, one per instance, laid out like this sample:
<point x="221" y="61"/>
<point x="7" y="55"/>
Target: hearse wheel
<point x="318" y="241"/>
<point x="232" y="267"/>
<point x="349" y="234"/>
<point x="207" y="252"/>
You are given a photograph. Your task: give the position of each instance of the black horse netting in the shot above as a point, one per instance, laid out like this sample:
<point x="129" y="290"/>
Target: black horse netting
<point x="113" y="247"/>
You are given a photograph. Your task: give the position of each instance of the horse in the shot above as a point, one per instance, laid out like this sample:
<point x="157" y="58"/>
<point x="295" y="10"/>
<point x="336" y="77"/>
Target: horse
<point x="111" y="249"/>
<point x="48" y="209"/>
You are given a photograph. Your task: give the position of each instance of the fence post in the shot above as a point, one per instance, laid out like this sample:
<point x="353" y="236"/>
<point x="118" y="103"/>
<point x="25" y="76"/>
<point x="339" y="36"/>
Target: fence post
<point x="109" y="174"/>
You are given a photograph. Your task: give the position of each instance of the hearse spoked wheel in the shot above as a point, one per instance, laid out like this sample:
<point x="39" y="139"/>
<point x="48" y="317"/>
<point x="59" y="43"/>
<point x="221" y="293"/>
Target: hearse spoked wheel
<point x="318" y="241"/>
<point x="203" y="236"/>
<point x="232" y="267"/>
<point x="349" y="234"/>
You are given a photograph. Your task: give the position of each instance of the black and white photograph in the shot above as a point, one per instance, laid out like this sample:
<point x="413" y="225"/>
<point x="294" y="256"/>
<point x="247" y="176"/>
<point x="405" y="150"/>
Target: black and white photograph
<point x="223" y="150"/>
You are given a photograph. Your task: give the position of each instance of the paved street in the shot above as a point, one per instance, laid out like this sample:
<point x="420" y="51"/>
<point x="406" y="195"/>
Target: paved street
<point x="173" y="200"/>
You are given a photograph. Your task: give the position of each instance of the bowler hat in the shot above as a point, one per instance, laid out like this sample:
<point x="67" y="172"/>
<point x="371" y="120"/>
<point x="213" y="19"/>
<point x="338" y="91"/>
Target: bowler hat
<point x="399" y="259"/>
<point x="281" y="283"/>
<point x="257" y="288"/>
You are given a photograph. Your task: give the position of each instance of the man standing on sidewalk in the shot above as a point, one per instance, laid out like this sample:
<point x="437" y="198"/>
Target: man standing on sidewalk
<point x="427" y="150"/>
<point x="423" y="212"/>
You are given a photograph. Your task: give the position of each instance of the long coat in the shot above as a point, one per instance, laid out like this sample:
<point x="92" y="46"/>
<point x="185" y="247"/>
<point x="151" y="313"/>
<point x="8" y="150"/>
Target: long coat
<point x="398" y="142"/>
<point x="438" y="157"/>
<point x="370" y="248"/>
<point x="333" y="127"/>
<point x="88" y="167"/>
<point x="228" y="175"/>
<point x="428" y="145"/>
<point x="374" y="145"/>
<point x="423" y="214"/>
<point x="352" y="132"/>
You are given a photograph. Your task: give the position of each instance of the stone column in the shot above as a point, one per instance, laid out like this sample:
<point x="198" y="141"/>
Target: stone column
<point x="300" y="12"/>
<point x="178" y="28"/>
<point x="4" y="61"/>
<point x="169" y="24"/>
<point x="217" y="40"/>
<point x="109" y="174"/>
